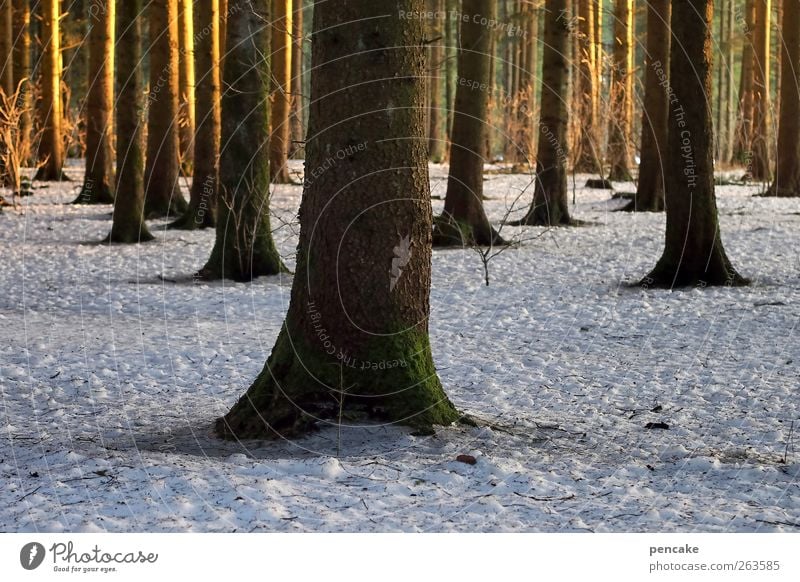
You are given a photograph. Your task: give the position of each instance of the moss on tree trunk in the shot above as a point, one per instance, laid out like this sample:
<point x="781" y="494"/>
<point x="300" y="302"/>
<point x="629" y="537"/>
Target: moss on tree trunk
<point x="693" y="251"/>
<point x="355" y="345"/>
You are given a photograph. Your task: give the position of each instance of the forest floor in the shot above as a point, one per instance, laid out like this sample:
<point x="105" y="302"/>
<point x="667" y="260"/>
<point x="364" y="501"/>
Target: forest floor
<point x="115" y="363"/>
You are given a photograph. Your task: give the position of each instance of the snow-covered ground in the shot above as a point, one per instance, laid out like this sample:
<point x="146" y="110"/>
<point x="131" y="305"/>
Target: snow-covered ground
<point x="115" y="363"/>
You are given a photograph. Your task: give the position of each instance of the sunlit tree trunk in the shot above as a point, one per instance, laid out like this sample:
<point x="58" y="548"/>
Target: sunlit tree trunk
<point x="550" y="206"/>
<point x="244" y="247"/>
<point x="464" y="220"/>
<point x="186" y="82"/>
<point x="162" y="193"/>
<point x="128" y="224"/>
<point x="98" y="181"/>
<point x="355" y="344"/>
<point x="693" y="251"/>
<point x="22" y="72"/>
<point x="7" y="47"/>
<point x="203" y="193"/>
<point x="787" y="168"/>
<point x="51" y="142"/>
<point x="621" y="114"/>
<point x="281" y="82"/>
<point x="586" y="76"/>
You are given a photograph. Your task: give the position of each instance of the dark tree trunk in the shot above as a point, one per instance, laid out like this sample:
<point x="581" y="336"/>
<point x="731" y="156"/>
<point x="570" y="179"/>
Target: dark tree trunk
<point x="244" y="248"/>
<point x="203" y="194"/>
<point x="437" y="142"/>
<point x="98" y="181"/>
<point x="693" y="252"/>
<point x="22" y="73"/>
<point x="298" y="133"/>
<point x="759" y="164"/>
<point x="451" y="52"/>
<point x="588" y="159"/>
<point x="787" y="168"/>
<point x="162" y="169"/>
<point x="744" y="131"/>
<point x="7" y="47"/>
<point x="464" y="221"/>
<point x="620" y="131"/>
<point x="355" y="341"/>
<point x="281" y="81"/>
<point x="650" y="189"/>
<point x="128" y="222"/>
<point x="550" y="206"/>
<point x="51" y="145"/>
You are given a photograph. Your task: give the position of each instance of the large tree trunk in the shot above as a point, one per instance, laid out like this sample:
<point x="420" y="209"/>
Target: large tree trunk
<point x="620" y="131"/>
<point x="744" y="132"/>
<point x="355" y="340"/>
<point x="693" y="251"/>
<point x="162" y="192"/>
<point x="297" y="132"/>
<point x="787" y="168"/>
<point x="244" y="248"/>
<point x="128" y="224"/>
<point x="98" y="181"/>
<point x="22" y="73"/>
<point x="588" y="159"/>
<point x="281" y="82"/>
<point x="51" y="142"/>
<point x="464" y="221"/>
<point x="437" y="142"/>
<point x="759" y="164"/>
<point x="186" y="83"/>
<point x="550" y="205"/>
<point x="655" y="115"/>
<point x="203" y="193"/>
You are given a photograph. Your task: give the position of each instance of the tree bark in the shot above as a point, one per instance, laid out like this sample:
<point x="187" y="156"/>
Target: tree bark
<point x="437" y="142"/>
<point x="281" y="82"/>
<point x="620" y="131"/>
<point x="186" y="83"/>
<point x="693" y="251"/>
<point x="51" y="142"/>
<point x="550" y="205"/>
<point x="464" y="220"/>
<point x="244" y="248"/>
<point x="128" y="224"/>
<point x="7" y="47"/>
<point x="98" y="181"/>
<point x="759" y="164"/>
<point x="525" y="89"/>
<point x="787" y="168"/>
<point x="355" y="341"/>
<point x="297" y="131"/>
<point x="162" y="169"/>
<point x="451" y="51"/>
<point x="203" y="193"/>
<point x="744" y="133"/>
<point x="650" y="189"/>
<point x="22" y="73"/>
<point x="588" y="158"/>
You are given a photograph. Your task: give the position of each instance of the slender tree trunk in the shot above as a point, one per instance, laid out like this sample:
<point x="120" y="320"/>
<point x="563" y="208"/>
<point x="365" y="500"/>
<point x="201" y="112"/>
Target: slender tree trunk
<point x="650" y="189"/>
<point x="451" y="29"/>
<point x="437" y="142"/>
<point x="355" y="341"/>
<point x="744" y="133"/>
<point x="203" y="193"/>
<point x="464" y="220"/>
<point x="22" y="73"/>
<point x="588" y="159"/>
<point x="730" y="95"/>
<point x="693" y="252"/>
<point x="98" y="181"/>
<point x="162" y="192"/>
<point x="787" y="168"/>
<point x="296" y="149"/>
<point x="524" y="97"/>
<point x="550" y="205"/>
<point x="223" y="34"/>
<point x="7" y="47"/>
<point x="51" y="143"/>
<point x="186" y="82"/>
<point x="244" y="248"/>
<point x="281" y="78"/>
<point x="760" y="165"/>
<point x="620" y="131"/>
<point x="128" y="224"/>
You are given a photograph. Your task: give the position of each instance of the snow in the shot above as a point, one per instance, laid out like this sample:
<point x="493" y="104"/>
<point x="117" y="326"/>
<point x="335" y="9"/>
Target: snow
<point x="115" y="363"/>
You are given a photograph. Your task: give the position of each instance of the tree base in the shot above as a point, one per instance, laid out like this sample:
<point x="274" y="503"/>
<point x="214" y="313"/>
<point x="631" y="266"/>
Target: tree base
<point x="638" y="205"/>
<point x="175" y="206"/>
<point x="193" y="219"/>
<point x="299" y="390"/>
<point x="128" y="236"/>
<point x="776" y="192"/>
<point x="450" y="232"/>
<point x="717" y="272"/>
<point x="45" y="174"/>
<point x="537" y="218"/>
<point x="91" y="195"/>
